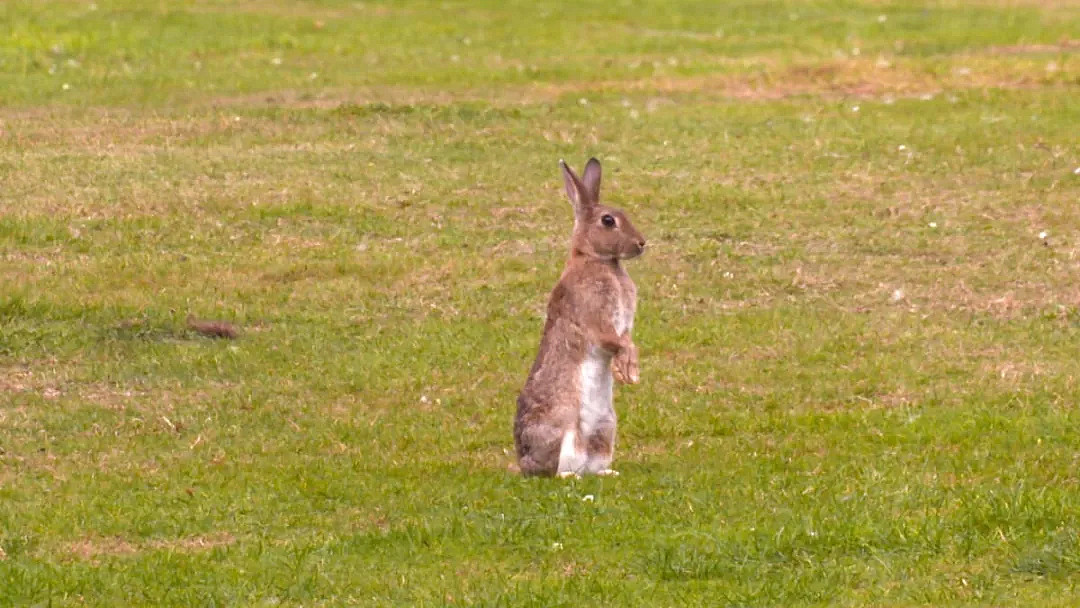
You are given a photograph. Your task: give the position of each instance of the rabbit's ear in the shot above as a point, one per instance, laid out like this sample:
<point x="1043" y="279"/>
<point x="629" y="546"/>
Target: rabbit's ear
<point x="575" y="190"/>
<point x="591" y="180"/>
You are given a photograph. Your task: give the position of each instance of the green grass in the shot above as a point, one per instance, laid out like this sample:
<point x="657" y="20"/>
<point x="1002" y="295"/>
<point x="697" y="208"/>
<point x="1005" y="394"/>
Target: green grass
<point x="859" y="371"/>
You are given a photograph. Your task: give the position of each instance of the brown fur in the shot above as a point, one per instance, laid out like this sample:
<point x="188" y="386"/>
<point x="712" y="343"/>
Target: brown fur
<point x="593" y="288"/>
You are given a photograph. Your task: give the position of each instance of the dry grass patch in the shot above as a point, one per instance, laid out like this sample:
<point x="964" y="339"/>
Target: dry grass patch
<point x="760" y="78"/>
<point x="18" y="379"/>
<point x="352" y="10"/>
<point x="835" y="79"/>
<point x="798" y="310"/>
<point x="95" y="548"/>
<point x="90" y="549"/>
<point x="1064" y="46"/>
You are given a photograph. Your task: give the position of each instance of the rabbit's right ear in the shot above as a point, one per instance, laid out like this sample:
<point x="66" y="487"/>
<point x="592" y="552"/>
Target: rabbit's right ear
<point x="575" y="190"/>
<point x="590" y="178"/>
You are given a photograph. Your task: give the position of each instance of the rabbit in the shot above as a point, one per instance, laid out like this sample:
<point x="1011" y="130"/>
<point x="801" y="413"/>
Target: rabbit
<point x="565" y="422"/>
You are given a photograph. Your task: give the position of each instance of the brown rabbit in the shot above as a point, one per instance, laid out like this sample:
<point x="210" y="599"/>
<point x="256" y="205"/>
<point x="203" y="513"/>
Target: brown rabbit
<point x="565" y="423"/>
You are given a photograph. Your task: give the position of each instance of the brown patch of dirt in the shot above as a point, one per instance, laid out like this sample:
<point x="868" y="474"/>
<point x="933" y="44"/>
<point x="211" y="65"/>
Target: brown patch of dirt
<point x="1023" y="301"/>
<point x="111" y="132"/>
<point x="1034" y="49"/>
<point x="840" y="79"/>
<point x="1049" y="4"/>
<point x="195" y="543"/>
<point x="16" y="379"/>
<point x="93" y="548"/>
<point x="89" y="549"/>
<point x="861" y="78"/>
<point x="329" y="99"/>
<point x="1015" y="372"/>
<point x="352" y="10"/>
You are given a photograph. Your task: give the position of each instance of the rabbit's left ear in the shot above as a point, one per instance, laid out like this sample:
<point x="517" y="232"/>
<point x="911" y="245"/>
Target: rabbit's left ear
<point x="591" y="180"/>
<point x="575" y="190"/>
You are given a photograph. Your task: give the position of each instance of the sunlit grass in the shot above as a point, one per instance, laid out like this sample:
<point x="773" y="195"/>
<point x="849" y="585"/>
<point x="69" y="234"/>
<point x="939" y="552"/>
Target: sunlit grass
<point x="858" y="315"/>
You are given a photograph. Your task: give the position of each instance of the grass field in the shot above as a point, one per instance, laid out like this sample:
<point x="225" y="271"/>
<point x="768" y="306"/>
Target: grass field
<point x="859" y="316"/>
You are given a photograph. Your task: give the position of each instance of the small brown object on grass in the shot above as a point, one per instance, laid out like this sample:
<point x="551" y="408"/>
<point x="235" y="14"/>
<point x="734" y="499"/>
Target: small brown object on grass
<point x="213" y="329"/>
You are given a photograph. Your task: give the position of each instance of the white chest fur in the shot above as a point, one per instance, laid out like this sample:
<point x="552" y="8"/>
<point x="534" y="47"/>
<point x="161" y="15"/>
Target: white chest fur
<point x="596" y="383"/>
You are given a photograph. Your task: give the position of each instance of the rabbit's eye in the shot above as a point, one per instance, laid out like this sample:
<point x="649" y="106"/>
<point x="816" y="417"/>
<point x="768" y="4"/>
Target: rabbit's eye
<point x="608" y="221"/>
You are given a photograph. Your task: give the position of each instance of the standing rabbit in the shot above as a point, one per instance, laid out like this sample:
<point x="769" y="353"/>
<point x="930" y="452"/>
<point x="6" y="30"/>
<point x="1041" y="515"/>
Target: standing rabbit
<point x="565" y="423"/>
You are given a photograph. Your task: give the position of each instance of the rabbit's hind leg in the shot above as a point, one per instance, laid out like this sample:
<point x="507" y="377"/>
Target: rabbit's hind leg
<point x="572" y="458"/>
<point x="541" y="450"/>
<point x="600" y="448"/>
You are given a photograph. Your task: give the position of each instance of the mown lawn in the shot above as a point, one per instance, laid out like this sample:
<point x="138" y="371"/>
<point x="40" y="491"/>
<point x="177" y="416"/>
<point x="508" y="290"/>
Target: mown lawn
<point x="859" y="316"/>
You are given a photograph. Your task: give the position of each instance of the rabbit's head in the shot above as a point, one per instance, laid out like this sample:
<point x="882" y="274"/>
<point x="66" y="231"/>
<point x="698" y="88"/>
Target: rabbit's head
<point x="599" y="231"/>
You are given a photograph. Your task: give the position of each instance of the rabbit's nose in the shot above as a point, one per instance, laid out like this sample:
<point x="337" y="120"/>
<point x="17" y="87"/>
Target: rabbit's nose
<point x="641" y="243"/>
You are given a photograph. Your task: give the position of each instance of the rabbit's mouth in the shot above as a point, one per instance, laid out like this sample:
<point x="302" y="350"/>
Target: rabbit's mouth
<point x="637" y="248"/>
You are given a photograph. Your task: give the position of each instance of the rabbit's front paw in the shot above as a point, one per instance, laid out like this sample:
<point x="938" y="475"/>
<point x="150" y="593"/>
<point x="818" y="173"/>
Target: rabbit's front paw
<point x="618" y="373"/>
<point x="625" y="366"/>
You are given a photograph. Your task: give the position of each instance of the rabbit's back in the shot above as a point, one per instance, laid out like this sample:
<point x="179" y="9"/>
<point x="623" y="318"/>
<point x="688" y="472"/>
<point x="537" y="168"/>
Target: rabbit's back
<point x="550" y="403"/>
